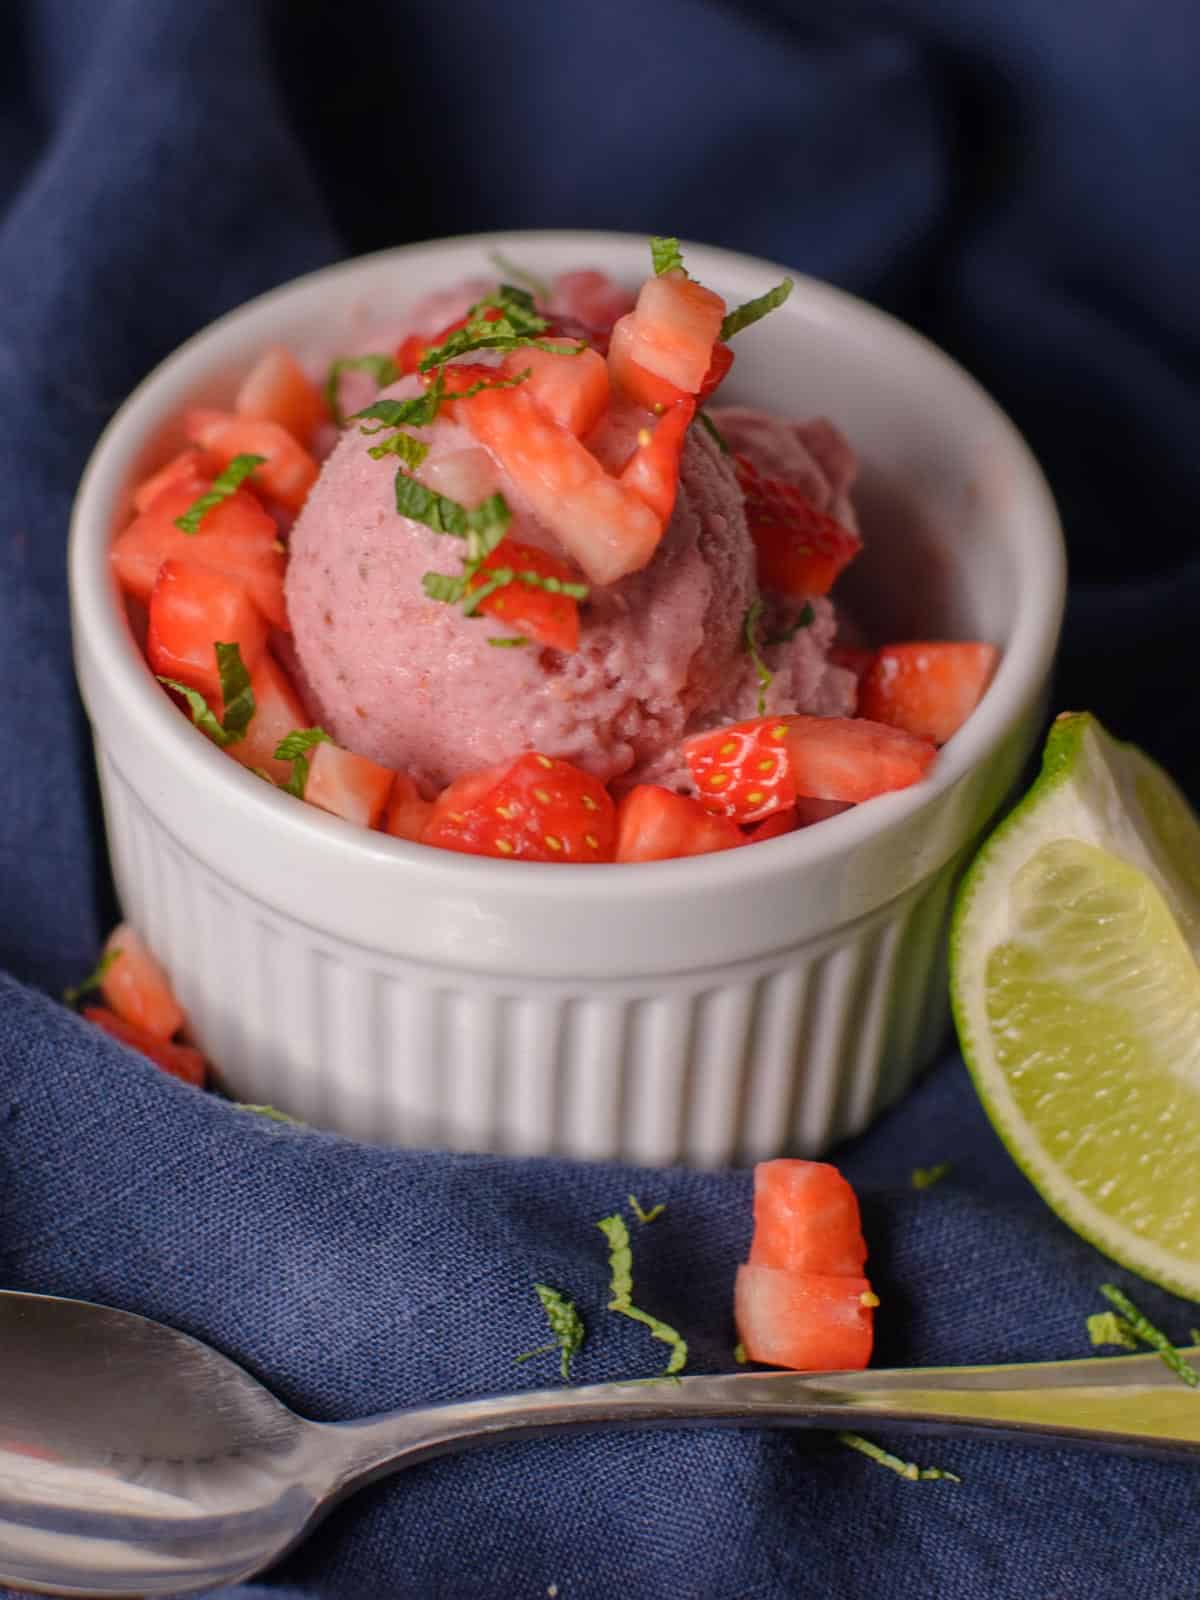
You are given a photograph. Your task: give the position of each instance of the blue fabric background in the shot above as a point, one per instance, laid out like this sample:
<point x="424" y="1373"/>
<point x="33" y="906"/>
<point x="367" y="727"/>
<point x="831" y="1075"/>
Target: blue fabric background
<point x="1019" y="180"/>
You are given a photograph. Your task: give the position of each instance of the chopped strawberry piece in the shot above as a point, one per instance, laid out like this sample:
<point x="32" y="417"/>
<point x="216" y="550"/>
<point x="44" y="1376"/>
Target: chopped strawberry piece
<point x="277" y="389"/>
<point x="631" y="378"/>
<point x="192" y="608"/>
<point x="602" y="524"/>
<point x="347" y="785"/>
<point x="186" y="467"/>
<point x="408" y="812"/>
<point x="590" y="297"/>
<point x="236" y="537"/>
<point x="288" y="471"/>
<point x="800" y="549"/>
<point x="850" y="758"/>
<point x="551" y="619"/>
<point x="718" y="371"/>
<point x="652" y="471"/>
<point x="749" y="770"/>
<point x="180" y="1060"/>
<point x="806" y="1219"/>
<point x="571" y="390"/>
<point x="808" y="1321"/>
<point x="854" y="658"/>
<point x="809" y="810"/>
<point x="927" y="688"/>
<point x="278" y="711"/>
<point x="655" y="824"/>
<point x="774" y="826"/>
<point x="532" y="809"/>
<point x="676" y="323"/>
<point x="743" y="771"/>
<point x="136" y="987"/>
<point x="410" y="352"/>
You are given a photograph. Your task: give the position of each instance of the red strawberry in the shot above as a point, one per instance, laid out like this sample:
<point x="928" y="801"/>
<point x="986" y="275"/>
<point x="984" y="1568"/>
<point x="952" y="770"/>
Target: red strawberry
<point x="743" y="771"/>
<point x="774" y="826"/>
<point x="408" y="812"/>
<point x="800" y="549"/>
<point x="410" y="352"/>
<point x="288" y="471"/>
<point x="347" y="785"/>
<point x="750" y="769"/>
<point x="652" y="471"/>
<point x="236" y="537"/>
<point x="927" y="688"/>
<point x="655" y="824"/>
<point x="180" y="1060"/>
<point x="571" y="389"/>
<point x="188" y="464"/>
<point x="531" y="809"/>
<point x="551" y="619"/>
<point x="278" y="711"/>
<point x="192" y="608"/>
<point x="718" y="371"/>
<point x="277" y="389"/>
<point x="811" y="1322"/>
<point x="849" y="758"/>
<point x="855" y="659"/>
<point x="136" y="987"/>
<point x="806" y="1219"/>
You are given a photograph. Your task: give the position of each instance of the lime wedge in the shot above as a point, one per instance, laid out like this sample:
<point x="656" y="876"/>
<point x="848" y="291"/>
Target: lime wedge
<point x="1076" y="989"/>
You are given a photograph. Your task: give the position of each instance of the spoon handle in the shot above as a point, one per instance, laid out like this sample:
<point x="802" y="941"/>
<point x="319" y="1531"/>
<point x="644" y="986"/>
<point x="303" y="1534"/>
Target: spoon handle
<point x="1131" y="1403"/>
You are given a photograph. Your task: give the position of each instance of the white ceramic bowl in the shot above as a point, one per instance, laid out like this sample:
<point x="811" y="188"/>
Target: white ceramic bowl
<point x="716" y="1010"/>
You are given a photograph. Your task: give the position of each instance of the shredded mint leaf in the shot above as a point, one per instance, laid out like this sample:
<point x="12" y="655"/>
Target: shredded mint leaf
<point x="440" y="586"/>
<point x="714" y="433"/>
<point x="269" y="1112"/>
<point x="926" y="1177"/>
<point x="904" y="1469"/>
<point x="1106" y="1327"/>
<point x="72" y="997"/>
<point x="236" y="692"/>
<point x="381" y="367"/>
<point x="411" y="451"/>
<point x="418" y="411"/>
<point x="565" y="1324"/>
<point x="295" y="747"/>
<point x="202" y="716"/>
<point x="517" y="327"/>
<point x="754" y="310"/>
<point x="538" y="287"/>
<point x="804" y="619"/>
<point x="665" y="256"/>
<point x="750" y="645"/>
<point x="620" y="1267"/>
<point x="224" y="484"/>
<point x="645" y="1216"/>
<point x="508" y="641"/>
<point x="1149" y="1334"/>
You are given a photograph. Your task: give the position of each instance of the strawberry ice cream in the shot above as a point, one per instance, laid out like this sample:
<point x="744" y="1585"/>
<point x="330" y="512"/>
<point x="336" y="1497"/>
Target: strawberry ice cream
<point x="416" y="686"/>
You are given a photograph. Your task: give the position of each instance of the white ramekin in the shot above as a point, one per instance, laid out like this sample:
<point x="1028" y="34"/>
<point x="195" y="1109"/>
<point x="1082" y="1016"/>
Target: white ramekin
<point x="708" y="1011"/>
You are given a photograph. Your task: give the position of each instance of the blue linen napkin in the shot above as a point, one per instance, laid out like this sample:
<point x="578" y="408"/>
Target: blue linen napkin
<point x="1014" y="178"/>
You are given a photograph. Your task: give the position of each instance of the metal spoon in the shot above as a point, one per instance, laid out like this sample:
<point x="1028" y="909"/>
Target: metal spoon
<point x="134" y="1460"/>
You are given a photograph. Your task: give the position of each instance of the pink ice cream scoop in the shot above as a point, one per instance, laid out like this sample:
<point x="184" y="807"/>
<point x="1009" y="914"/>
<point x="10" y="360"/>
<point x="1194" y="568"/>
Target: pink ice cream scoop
<point x="415" y="685"/>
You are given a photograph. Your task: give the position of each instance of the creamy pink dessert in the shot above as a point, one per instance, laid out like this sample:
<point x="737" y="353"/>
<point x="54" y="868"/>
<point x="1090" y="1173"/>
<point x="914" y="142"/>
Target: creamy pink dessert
<point x="415" y="685"/>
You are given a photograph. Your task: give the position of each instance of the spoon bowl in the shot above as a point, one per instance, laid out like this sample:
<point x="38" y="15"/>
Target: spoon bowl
<point x="137" y="1461"/>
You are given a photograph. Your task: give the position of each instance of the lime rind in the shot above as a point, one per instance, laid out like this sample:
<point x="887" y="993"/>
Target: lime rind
<point x="1076" y="995"/>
